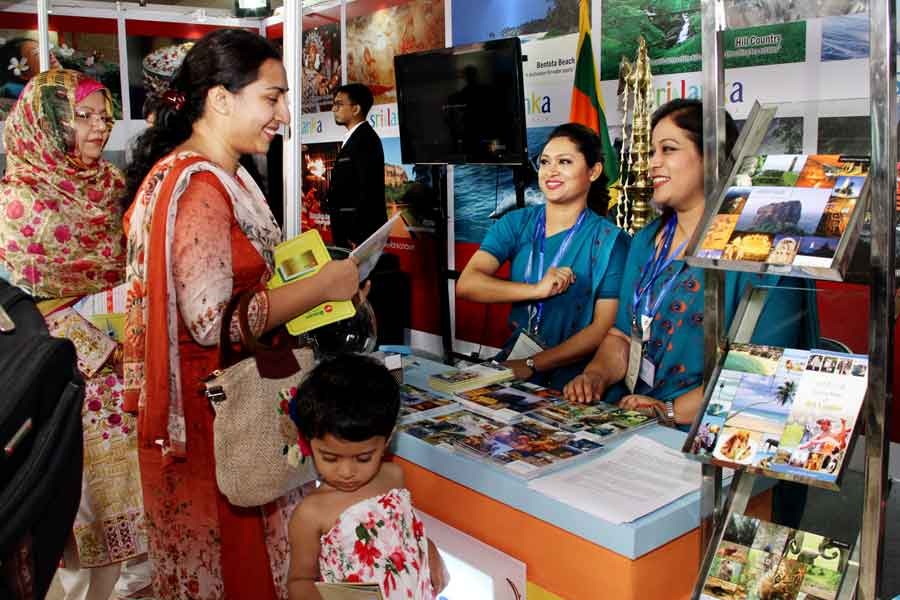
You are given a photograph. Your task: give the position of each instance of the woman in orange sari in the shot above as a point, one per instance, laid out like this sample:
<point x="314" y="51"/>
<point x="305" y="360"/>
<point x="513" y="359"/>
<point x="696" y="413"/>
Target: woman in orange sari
<point x="200" y="232"/>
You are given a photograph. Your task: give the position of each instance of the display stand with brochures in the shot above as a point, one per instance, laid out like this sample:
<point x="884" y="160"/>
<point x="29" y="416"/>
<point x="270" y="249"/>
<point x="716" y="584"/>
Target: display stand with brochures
<point x="787" y="413"/>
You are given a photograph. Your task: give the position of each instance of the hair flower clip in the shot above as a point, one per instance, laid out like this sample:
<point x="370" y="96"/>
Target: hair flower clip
<point x="17" y="66"/>
<point x="174" y="98"/>
<point x="297" y="453"/>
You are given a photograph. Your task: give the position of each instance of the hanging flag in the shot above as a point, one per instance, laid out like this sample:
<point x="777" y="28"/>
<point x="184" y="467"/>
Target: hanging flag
<point x="587" y="99"/>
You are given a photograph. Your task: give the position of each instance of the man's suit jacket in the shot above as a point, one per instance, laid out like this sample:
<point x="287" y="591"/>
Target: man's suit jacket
<point x="356" y="195"/>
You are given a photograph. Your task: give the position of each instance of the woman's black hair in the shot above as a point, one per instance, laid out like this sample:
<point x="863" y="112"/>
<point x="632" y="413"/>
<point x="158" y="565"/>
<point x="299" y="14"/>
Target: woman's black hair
<point x="591" y="147"/>
<point x="351" y="396"/>
<point x="687" y="114"/>
<point x="8" y="51"/>
<point x="227" y="57"/>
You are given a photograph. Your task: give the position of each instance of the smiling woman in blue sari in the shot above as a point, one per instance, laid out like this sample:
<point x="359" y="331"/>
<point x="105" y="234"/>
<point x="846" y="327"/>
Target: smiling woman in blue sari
<point x="652" y="360"/>
<point x="566" y="262"/>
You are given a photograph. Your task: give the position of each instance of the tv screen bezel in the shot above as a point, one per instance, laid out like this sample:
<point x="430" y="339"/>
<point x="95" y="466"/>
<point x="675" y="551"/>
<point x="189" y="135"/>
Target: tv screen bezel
<point x="519" y="83"/>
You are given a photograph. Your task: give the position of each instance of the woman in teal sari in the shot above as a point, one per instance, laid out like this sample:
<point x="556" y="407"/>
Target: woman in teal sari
<point x="566" y="262"/>
<point x="652" y="360"/>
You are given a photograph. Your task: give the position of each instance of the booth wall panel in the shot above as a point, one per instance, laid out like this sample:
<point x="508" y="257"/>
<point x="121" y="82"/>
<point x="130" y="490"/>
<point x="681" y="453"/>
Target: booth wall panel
<point x="476" y="322"/>
<point x="176" y="30"/>
<point x="13" y="20"/>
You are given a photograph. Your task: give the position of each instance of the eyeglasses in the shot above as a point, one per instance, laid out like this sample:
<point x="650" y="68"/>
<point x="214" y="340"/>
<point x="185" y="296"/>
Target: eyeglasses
<point x="339" y="104"/>
<point x="87" y="116"/>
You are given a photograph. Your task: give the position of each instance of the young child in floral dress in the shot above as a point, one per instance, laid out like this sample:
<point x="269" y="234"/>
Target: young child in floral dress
<point x="358" y="525"/>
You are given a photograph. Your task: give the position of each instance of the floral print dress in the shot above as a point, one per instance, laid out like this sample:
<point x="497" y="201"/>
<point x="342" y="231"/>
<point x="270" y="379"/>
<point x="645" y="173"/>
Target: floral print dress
<point x="379" y="540"/>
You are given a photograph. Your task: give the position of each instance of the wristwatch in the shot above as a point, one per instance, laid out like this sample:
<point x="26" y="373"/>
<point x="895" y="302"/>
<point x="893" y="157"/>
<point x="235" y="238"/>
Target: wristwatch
<point x="670" y="410"/>
<point x="529" y="362"/>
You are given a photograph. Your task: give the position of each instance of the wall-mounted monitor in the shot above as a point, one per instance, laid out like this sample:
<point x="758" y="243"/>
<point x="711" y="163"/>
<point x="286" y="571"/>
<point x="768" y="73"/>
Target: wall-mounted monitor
<point x="463" y="105"/>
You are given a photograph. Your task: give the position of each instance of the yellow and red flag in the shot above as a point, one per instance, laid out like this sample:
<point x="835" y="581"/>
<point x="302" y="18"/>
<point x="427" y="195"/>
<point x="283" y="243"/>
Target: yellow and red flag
<point x="587" y="99"/>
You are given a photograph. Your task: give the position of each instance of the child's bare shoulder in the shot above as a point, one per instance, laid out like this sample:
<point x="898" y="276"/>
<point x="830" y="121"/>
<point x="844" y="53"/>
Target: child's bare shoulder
<point x="393" y="475"/>
<point x="310" y="510"/>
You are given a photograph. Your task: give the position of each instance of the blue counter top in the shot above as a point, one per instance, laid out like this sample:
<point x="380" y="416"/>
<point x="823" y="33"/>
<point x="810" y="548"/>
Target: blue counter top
<point x="631" y="540"/>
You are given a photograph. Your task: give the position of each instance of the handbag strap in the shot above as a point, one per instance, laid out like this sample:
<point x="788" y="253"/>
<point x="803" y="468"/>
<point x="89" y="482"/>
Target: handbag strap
<point x="272" y="362"/>
<point x="249" y="342"/>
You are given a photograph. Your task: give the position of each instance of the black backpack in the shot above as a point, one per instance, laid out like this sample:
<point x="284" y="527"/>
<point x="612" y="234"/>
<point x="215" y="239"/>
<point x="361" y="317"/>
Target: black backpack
<point x="41" y="453"/>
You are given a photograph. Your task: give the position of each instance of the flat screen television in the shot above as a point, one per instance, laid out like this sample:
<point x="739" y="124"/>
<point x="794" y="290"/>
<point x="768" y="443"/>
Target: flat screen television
<point x="462" y="105"/>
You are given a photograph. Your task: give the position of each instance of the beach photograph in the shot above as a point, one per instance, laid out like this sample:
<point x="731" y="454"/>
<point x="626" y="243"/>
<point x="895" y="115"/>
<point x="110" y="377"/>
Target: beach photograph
<point x="762" y="405"/>
<point x="753" y="358"/>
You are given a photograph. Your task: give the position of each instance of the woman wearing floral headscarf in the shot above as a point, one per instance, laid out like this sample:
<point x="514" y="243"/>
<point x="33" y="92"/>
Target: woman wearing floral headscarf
<point x="61" y="240"/>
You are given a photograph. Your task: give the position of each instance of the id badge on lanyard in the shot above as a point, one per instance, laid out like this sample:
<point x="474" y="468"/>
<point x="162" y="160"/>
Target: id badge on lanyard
<point x="536" y="310"/>
<point x="639" y="366"/>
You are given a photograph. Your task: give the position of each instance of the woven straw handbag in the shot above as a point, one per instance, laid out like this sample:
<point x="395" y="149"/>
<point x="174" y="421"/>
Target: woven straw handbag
<point x="256" y="449"/>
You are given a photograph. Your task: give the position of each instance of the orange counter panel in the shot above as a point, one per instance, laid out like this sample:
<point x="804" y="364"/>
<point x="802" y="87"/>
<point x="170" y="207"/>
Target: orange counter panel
<point x="558" y="561"/>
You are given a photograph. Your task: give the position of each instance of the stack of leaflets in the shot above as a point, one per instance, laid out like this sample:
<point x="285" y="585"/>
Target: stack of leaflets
<point x="757" y="560"/>
<point x="600" y="419"/>
<point x="526" y="449"/>
<point x="475" y="376"/>
<point x="506" y="403"/>
<point x="417" y="404"/>
<point x="510" y="403"/>
<point x="788" y="213"/>
<point x="297" y="259"/>
<point x="782" y="412"/>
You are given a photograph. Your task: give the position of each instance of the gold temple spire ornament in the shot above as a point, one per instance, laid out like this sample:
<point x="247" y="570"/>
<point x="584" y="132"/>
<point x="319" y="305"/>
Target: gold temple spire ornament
<point x="634" y="210"/>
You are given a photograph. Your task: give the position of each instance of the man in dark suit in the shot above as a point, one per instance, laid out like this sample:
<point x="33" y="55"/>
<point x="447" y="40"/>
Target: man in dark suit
<point x="356" y="194"/>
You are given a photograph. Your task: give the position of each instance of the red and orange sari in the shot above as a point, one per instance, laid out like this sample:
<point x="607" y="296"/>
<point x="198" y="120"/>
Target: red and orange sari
<point x="201" y="546"/>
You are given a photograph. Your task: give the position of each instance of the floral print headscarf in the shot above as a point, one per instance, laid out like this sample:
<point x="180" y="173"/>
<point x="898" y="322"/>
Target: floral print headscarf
<point x="60" y="219"/>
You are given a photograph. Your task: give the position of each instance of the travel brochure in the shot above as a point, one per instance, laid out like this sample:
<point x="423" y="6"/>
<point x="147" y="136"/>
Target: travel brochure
<point x="758" y="560"/>
<point x="784" y="412"/>
<point x="471" y="377"/>
<point x="511" y="402"/>
<point x="506" y="403"/>
<point x="523" y="428"/>
<point x="788" y="213"/>
<point x="416" y="403"/>
<point x="526" y="449"/>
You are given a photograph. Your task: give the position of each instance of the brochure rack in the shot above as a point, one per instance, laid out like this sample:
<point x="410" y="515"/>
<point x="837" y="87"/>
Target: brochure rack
<point x="863" y="567"/>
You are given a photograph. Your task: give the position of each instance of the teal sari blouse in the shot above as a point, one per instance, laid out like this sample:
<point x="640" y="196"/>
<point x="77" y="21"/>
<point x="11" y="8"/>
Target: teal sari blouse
<point x="596" y="254"/>
<point x="789" y="318"/>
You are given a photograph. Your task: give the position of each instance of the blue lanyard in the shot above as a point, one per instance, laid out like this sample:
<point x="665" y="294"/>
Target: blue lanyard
<point x="536" y="310"/>
<point x="654" y="268"/>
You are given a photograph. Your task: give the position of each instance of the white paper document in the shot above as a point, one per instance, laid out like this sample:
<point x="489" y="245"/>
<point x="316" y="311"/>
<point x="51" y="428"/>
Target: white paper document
<point x="631" y="481"/>
<point x="525" y="347"/>
<point x="366" y="254"/>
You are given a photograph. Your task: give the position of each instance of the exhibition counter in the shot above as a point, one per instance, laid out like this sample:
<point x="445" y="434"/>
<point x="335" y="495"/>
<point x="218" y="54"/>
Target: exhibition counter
<point x="568" y="553"/>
